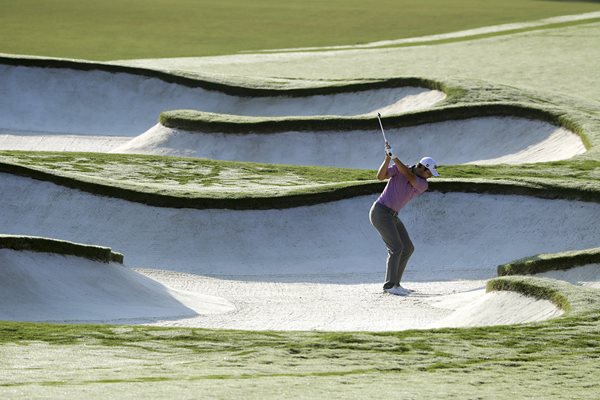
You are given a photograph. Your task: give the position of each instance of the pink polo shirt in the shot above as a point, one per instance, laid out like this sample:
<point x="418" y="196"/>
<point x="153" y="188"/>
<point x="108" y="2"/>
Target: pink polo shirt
<point x="399" y="191"/>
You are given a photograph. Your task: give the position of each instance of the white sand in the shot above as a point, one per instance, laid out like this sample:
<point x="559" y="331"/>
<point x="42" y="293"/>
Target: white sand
<point x="489" y="140"/>
<point x="317" y="267"/>
<point x="66" y="101"/>
<point x="585" y="275"/>
<point x="354" y="307"/>
<point x="55" y="288"/>
<point x="68" y="110"/>
<point x="43" y="141"/>
<point x="52" y="287"/>
<point x="468" y="235"/>
<point x="499" y="308"/>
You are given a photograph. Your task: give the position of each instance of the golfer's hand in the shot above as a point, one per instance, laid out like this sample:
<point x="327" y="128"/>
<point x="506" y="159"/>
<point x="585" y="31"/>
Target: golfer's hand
<point x="388" y="150"/>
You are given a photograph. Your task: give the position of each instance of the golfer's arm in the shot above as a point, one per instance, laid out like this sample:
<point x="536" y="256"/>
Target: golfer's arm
<point x="404" y="170"/>
<point x="382" y="171"/>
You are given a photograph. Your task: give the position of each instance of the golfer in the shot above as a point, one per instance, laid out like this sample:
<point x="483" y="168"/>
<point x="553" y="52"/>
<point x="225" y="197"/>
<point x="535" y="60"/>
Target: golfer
<point x="404" y="184"/>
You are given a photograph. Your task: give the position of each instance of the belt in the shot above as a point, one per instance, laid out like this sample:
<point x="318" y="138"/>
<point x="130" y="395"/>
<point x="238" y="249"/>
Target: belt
<point x="388" y="210"/>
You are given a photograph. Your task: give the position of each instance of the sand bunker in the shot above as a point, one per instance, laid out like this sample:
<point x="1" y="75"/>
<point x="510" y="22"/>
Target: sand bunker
<point x="498" y="308"/>
<point x="66" y="101"/>
<point x="489" y="140"/>
<point x="60" y="109"/>
<point x="37" y="141"/>
<point x="585" y="275"/>
<point x="52" y="287"/>
<point x="469" y="234"/>
<point x="315" y="267"/>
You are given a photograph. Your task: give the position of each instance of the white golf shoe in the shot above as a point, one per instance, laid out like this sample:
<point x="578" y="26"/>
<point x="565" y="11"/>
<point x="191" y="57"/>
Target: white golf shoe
<point x="405" y="289"/>
<point x="397" y="291"/>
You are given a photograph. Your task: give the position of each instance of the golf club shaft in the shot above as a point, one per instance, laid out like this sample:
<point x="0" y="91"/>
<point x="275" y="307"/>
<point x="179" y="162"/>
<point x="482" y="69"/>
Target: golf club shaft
<point x="381" y="125"/>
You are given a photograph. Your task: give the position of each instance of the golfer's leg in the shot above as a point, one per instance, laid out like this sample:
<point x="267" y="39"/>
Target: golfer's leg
<point x="408" y="249"/>
<point x="385" y="224"/>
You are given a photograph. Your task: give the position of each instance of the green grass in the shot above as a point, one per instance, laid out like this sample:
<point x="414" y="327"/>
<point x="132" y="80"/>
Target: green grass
<point x="46" y="245"/>
<point x="550" y="262"/>
<point x="187" y="177"/>
<point x="201" y="183"/>
<point x="557" y="62"/>
<point x="103" y="360"/>
<point x="584" y="174"/>
<point x="132" y="29"/>
<point x="191" y="182"/>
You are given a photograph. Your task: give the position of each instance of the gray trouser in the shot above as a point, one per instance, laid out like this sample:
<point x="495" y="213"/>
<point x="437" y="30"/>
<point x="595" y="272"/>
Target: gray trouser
<point x="396" y="239"/>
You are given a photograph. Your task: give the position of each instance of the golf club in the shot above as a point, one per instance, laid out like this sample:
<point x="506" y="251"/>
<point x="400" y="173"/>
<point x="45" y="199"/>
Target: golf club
<point x="388" y="149"/>
<point x="381" y="125"/>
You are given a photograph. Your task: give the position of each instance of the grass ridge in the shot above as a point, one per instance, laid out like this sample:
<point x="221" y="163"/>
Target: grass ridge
<point x="55" y="246"/>
<point x="200" y="121"/>
<point x="550" y="262"/>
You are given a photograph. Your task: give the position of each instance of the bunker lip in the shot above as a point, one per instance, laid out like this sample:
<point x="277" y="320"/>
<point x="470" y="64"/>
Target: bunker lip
<point x="306" y="257"/>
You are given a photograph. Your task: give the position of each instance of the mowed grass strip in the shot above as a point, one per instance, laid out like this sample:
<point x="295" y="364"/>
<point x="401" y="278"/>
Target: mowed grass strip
<point x="199" y="176"/>
<point x="112" y="29"/>
<point x="563" y="351"/>
<point x="183" y="178"/>
<point x="203" y="183"/>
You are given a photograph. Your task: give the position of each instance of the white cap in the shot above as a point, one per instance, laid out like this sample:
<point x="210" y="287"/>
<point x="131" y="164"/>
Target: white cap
<point x="429" y="163"/>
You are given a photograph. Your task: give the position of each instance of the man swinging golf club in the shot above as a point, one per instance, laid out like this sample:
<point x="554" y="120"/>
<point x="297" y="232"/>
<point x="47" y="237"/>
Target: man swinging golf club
<point x="404" y="184"/>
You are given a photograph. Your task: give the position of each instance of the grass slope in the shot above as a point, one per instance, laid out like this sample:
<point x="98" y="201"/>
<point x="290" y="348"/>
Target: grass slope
<point x="114" y="29"/>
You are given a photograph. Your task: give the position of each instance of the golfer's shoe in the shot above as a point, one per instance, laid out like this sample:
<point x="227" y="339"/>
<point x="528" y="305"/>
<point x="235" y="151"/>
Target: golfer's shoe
<point x="405" y="289"/>
<point x="396" y="291"/>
